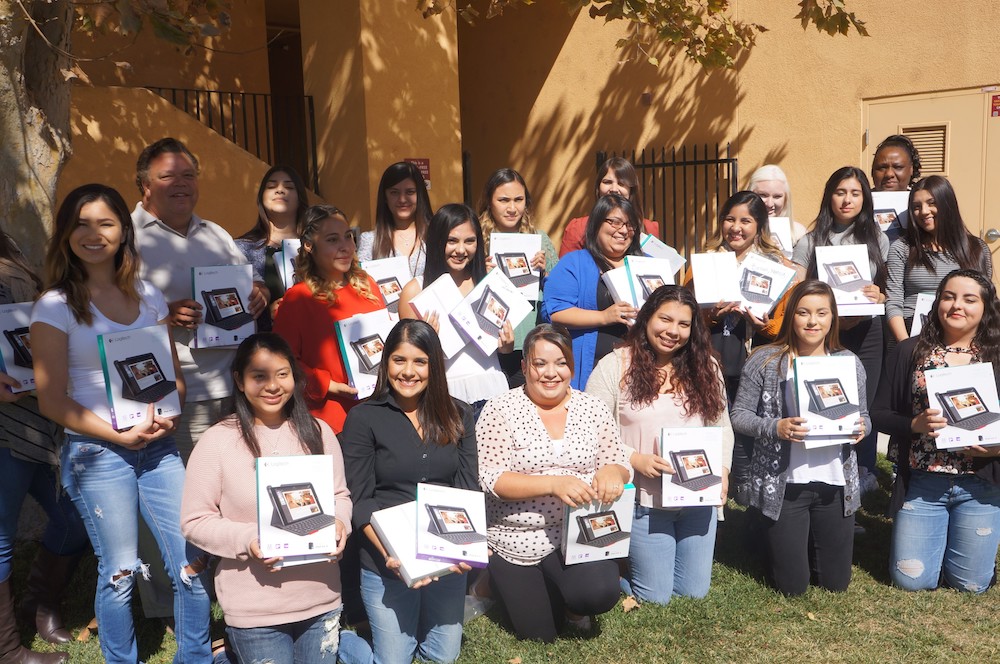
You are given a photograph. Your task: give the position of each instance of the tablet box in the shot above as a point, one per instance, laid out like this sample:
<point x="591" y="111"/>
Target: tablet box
<point x="493" y="302"/>
<point x="967" y="398"/>
<point x="762" y="283"/>
<point x="396" y="528"/>
<point x="15" y="345"/>
<point x="391" y="275"/>
<point x="295" y="508"/>
<point x="285" y="260"/>
<point x="826" y="388"/>
<point x="616" y="281"/>
<point x="847" y="270"/>
<point x="598" y="531"/>
<point x="891" y="208"/>
<point x="362" y="339"/>
<point x="921" y="310"/>
<point x="696" y="456"/>
<point x="138" y="370"/>
<point x="224" y="293"/>
<point x="645" y="275"/>
<point x="716" y="278"/>
<point x="441" y="297"/>
<point x="654" y="247"/>
<point x="512" y="254"/>
<point x="781" y="234"/>
<point x="451" y="525"/>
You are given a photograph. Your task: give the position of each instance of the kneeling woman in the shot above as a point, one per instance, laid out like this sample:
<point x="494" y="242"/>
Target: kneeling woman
<point x="662" y="377"/>
<point x="541" y="447"/>
<point x="806" y="498"/>
<point x="946" y="502"/>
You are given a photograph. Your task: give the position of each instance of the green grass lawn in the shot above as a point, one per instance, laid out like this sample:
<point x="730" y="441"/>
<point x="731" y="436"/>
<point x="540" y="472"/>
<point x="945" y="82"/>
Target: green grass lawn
<point x="741" y="620"/>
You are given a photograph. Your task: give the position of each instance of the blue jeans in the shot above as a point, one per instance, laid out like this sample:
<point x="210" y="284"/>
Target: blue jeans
<point x="425" y="623"/>
<point x="949" y="523"/>
<point x="671" y="553"/>
<point x="64" y="535"/>
<point x="111" y="486"/>
<point x="314" y="640"/>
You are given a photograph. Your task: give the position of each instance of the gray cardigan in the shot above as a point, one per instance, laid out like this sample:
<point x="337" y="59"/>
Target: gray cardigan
<point x="755" y="413"/>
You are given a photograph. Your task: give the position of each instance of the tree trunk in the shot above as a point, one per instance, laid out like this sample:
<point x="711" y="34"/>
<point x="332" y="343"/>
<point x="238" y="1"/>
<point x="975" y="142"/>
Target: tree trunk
<point x="34" y="118"/>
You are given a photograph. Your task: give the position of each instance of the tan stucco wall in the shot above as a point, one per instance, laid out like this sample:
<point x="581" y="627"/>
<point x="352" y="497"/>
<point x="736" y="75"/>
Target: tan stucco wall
<point x="385" y="84"/>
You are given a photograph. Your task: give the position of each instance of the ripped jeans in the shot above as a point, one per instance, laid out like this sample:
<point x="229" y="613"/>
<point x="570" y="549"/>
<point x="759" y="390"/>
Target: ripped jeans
<point x="111" y="487"/>
<point x="310" y="641"/>
<point x="950" y="524"/>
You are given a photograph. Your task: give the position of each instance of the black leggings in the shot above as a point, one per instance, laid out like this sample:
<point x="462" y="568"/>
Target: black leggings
<point x="535" y="595"/>
<point x="865" y="341"/>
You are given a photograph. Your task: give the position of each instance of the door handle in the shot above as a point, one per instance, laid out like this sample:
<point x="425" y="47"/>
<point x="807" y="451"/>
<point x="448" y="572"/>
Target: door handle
<point x="992" y="235"/>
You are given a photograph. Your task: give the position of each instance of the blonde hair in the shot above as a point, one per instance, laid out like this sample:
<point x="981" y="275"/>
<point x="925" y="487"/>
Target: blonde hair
<point x="773" y="172"/>
<point x="307" y="271"/>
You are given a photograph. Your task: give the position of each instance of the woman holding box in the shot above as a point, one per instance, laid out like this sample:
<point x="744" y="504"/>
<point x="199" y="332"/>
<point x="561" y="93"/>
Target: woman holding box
<point x="113" y="477"/>
<point x="409" y="431"/>
<point x="542" y="447"/>
<point x="805" y="499"/>
<point x="402" y="212"/>
<point x="946" y="503"/>
<point x="771" y="184"/>
<point x="660" y="379"/>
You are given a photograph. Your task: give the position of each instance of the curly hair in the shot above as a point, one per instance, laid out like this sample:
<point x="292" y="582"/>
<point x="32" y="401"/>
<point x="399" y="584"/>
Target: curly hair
<point x="987" y="337"/>
<point x="904" y="142"/>
<point x="692" y="376"/>
<point x="308" y="272"/>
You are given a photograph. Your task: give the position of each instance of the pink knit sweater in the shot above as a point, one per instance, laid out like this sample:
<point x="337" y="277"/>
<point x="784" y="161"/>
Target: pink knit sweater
<point x="219" y="515"/>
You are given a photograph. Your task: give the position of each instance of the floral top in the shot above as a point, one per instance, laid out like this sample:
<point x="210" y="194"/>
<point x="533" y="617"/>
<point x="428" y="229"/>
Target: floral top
<point x="924" y="454"/>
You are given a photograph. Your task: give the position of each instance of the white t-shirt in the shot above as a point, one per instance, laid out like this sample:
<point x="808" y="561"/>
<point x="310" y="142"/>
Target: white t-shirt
<point x="86" y="376"/>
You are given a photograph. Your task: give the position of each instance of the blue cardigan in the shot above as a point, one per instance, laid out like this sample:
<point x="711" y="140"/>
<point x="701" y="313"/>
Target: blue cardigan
<point x="573" y="283"/>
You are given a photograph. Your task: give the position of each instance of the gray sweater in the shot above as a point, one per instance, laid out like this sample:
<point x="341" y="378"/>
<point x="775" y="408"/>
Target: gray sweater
<point x="904" y="284"/>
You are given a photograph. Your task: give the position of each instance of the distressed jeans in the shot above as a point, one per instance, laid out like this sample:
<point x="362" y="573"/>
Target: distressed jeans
<point x="311" y="641"/>
<point x="111" y="487"/>
<point x="950" y="524"/>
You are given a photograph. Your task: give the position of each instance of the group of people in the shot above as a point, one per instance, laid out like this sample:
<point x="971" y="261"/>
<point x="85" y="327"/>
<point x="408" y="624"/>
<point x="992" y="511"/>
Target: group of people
<point x="567" y="410"/>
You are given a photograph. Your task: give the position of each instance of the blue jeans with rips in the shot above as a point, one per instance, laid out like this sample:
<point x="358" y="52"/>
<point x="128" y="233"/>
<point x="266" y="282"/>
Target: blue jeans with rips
<point x="111" y="487"/>
<point x="311" y="641"/>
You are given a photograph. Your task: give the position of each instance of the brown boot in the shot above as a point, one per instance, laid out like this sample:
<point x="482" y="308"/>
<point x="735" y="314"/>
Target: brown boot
<point x="11" y="650"/>
<point x="49" y="576"/>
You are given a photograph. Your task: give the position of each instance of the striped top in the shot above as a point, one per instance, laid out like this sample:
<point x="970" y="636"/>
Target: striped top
<point x="905" y="283"/>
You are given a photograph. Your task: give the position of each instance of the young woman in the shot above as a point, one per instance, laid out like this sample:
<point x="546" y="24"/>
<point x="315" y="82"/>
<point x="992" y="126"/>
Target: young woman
<point x="282" y="202"/>
<point x="946" y="503"/>
<point x="846" y="217"/>
<point x="402" y="212"/>
<point x="331" y="287"/>
<point x="896" y="164"/>
<point x="805" y="499"/>
<point x="577" y="297"/>
<point x="113" y="477"/>
<point x="455" y="247"/>
<point x="294" y="614"/>
<point x="771" y="184"/>
<point x="409" y="431"/>
<point x="541" y="447"/>
<point x="935" y="242"/>
<point x="660" y="378"/>
<point x="506" y="207"/>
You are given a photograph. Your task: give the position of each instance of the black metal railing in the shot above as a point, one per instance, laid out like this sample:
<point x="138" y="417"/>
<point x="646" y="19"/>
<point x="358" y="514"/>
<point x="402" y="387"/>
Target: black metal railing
<point x="682" y="189"/>
<point x="276" y="129"/>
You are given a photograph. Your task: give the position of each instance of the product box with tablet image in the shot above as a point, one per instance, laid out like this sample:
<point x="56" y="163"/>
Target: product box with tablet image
<point x="224" y="292"/>
<point x="295" y="501"/>
<point x="716" y="278"/>
<point x="512" y="253"/>
<point x="618" y="284"/>
<point x="138" y="370"/>
<point x="967" y="398"/>
<point x="645" y="275"/>
<point x="482" y="314"/>
<point x="362" y="340"/>
<point x="762" y="283"/>
<point x="891" y="211"/>
<point x="441" y="298"/>
<point x="921" y="310"/>
<point x="598" y="531"/>
<point x="391" y="275"/>
<point x="396" y="528"/>
<point x="451" y="525"/>
<point x="654" y="247"/>
<point x="781" y="234"/>
<point x="15" y="345"/>
<point x="826" y="388"/>
<point x="696" y="456"/>
<point x="847" y="270"/>
<point x="285" y="261"/>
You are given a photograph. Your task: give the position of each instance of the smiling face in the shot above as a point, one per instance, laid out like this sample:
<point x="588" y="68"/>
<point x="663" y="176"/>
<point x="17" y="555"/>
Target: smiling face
<point x="812" y="321"/>
<point x="615" y="235"/>
<point x="610" y="184"/>
<point x="547" y="374"/>
<point x="268" y="384"/>
<point x="507" y="206"/>
<point x="332" y="248"/>
<point x="402" y="201"/>
<point x="847" y="200"/>
<point x="739" y="229"/>
<point x="923" y="211"/>
<point x="280" y="197"/>
<point x="773" y="193"/>
<point x="97" y="236"/>
<point x="892" y="169"/>
<point x="669" y="329"/>
<point x="407" y="371"/>
<point x="171" y="189"/>
<point x="460" y="248"/>
<point x="960" y="309"/>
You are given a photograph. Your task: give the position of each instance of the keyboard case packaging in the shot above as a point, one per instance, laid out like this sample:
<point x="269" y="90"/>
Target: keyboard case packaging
<point x="967" y="397"/>
<point x="654" y="247"/>
<point x="891" y="211"/>
<point x="285" y="261"/>
<point x="295" y="508"/>
<point x="138" y="370"/>
<point x="826" y="389"/>
<point x="361" y="339"/>
<point x="781" y="234"/>
<point x="696" y="456"/>
<point x="391" y="275"/>
<point x="451" y="525"/>
<point x="716" y="278"/>
<point x="921" y="309"/>
<point x="441" y="298"/>
<point x="494" y="301"/>
<point x="762" y="283"/>
<point x="223" y="291"/>
<point x="847" y="270"/>
<point x="598" y="531"/>
<point x="645" y="275"/>
<point x="15" y="345"/>
<point x="396" y="528"/>
<point x="617" y="282"/>
<point x="512" y="254"/>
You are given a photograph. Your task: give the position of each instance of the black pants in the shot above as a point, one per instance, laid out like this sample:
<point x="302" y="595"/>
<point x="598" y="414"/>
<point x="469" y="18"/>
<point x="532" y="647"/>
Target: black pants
<point x="536" y="595"/>
<point x="865" y="341"/>
<point x="812" y="539"/>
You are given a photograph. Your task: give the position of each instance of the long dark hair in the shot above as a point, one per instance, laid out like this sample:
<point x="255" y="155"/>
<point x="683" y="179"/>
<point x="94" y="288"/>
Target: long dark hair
<point x="604" y="205"/>
<point x="439" y="417"/>
<point x="785" y="339"/>
<point x="864" y="228"/>
<point x="987" y="337"/>
<point x="497" y="179"/>
<point x="625" y="173"/>
<point x="301" y="421"/>
<point x="384" y="225"/>
<point x="261" y="232"/>
<point x="694" y="376"/>
<point x="446" y="219"/>
<point x="755" y="206"/>
<point x="949" y="230"/>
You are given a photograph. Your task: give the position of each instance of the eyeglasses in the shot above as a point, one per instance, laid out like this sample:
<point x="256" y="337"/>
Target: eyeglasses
<point x="618" y="224"/>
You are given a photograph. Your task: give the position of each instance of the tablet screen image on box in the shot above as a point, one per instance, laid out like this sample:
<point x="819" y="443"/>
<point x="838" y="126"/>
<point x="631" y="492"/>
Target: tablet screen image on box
<point x="297" y="509"/>
<point x="600" y="529"/>
<point x="491" y="312"/>
<point x="828" y="398"/>
<point x="138" y="368"/>
<point x="845" y="276"/>
<point x="692" y="470"/>
<point x="225" y="309"/>
<point x="143" y="379"/>
<point x="391" y="290"/>
<point x="453" y="524"/>
<point x="756" y="286"/>
<point x="517" y="268"/>
<point x="966" y="409"/>
<point x="649" y="283"/>
<point x="369" y="351"/>
<point x="20" y="341"/>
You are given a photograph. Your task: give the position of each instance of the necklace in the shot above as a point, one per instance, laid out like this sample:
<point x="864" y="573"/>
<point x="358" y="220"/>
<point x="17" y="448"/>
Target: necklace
<point x="272" y="438"/>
